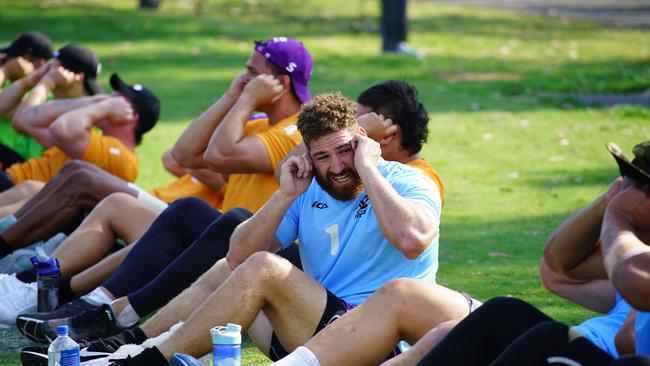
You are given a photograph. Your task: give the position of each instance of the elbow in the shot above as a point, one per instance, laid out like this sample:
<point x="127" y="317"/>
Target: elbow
<point x="181" y="156"/>
<point x="234" y="258"/>
<point x="549" y="278"/>
<point x="59" y="134"/>
<point x="412" y="246"/>
<point x="215" y="158"/>
<point x="17" y="123"/>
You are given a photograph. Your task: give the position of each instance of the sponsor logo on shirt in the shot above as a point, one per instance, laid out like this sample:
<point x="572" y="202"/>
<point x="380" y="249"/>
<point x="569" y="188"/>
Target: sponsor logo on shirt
<point x="291" y="129"/>
<point x="319" y="205"/>
<point x="363" y="207"/>
<point x="114" y="151"/>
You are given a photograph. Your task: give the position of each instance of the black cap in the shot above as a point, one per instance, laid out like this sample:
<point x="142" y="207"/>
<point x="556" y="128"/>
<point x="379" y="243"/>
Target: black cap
<point x="29" y="43"/>
<point x="145" y="102"/>
<point x="79" y="59"/>
<point x="637" y="169"/>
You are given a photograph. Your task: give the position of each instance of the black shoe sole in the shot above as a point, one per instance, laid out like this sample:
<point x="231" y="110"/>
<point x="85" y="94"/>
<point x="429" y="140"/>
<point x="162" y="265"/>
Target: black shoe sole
<point x="32" y="358"/>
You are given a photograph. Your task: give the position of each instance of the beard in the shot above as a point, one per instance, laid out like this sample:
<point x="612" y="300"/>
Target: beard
<point x="346" y="192"/>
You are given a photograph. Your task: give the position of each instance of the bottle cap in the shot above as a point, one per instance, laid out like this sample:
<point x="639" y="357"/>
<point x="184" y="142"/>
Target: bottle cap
<point x="46" y="267"/>
<point x="62" y="330"/>
<point x="230" y="334"/>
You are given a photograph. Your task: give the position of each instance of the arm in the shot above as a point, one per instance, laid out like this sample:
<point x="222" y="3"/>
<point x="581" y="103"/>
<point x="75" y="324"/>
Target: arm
<point x="211" y="179"/>
<point x="409" y="225"/>
<point x="190" y="147"/>
<point x="12" y="95"/>
<point x="171" y="165"/>
<point x="576" y="239"/>
<point x="258" y="232"/>
<point x="627" y="257"/>
<point x="71" y="131"/>
<point x="229" y="149"/>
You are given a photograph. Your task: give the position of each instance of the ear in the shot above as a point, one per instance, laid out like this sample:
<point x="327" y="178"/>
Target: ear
<point x="362" y="132"/>
<point x="79" y="76"/>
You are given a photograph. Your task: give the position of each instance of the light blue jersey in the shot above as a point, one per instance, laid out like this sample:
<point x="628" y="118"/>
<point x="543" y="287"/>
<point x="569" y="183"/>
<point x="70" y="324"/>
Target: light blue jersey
<point x="342" y="245"/>
<point x="642" y="333"/>
<point x="601" y="330"/>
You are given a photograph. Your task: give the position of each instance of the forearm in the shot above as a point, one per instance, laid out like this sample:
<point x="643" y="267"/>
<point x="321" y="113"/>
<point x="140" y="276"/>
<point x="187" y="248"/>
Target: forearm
<point x="189" y="148"/>
<point x="576" y="238"/>
<point x="211" y="179"/>
<point x="627" y="260"/>
<point x="223" y="142"/>
<point x="11" y="96"/>
<point x="258" y="233"/>
<point x="409" y="226"/>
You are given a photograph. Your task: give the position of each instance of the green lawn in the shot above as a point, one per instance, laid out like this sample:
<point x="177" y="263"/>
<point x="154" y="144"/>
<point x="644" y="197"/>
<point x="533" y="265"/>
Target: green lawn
<point x="514" y="163"/>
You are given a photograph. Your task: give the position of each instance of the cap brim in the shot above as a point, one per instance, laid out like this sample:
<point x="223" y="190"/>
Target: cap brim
<point x="119" y="85"/>
<point x="626" y="167"/>
<point x="92" y="86"/>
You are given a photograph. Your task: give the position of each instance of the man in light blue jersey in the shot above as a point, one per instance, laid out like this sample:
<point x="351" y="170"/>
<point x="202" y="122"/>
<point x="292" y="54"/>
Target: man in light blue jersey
<point x="360" y="221"/>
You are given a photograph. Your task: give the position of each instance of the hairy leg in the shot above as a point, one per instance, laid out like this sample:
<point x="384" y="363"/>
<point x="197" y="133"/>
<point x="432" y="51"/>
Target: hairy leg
<point x="292" y="301"/>
<point x="402" y="309"/>
<point x="117" y="216"/>
<point x="183" y="305"/>
<point x="44" y="216"/>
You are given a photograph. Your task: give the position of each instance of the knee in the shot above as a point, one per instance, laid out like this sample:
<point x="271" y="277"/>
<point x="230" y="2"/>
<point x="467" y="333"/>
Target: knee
<point x="263" y="267"/>
<point x="115" y="202"/>
<point x="189" y="204"/>
<point x="80" y="181"/>
<point x="399" y="288"/>
<point x="75" y="165"/>
<point x="31" y="186"/>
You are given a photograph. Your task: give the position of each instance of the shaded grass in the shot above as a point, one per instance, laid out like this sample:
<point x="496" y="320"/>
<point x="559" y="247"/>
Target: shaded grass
<point x="514" y="164"/>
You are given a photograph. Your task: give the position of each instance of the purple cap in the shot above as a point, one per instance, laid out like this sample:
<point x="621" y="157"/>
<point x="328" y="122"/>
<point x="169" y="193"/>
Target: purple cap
<point x="292" y="57"/>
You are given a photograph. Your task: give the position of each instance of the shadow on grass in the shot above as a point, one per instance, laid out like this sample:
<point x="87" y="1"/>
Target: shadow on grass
<point x="447" y="83"/>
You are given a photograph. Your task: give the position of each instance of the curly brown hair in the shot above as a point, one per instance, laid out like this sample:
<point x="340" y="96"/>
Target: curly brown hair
<point x="326" y="113"/>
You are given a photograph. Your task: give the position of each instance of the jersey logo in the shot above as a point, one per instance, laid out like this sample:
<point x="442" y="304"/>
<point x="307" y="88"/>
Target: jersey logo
<point x="319" y="205"/>
<point x="363" y="207"/>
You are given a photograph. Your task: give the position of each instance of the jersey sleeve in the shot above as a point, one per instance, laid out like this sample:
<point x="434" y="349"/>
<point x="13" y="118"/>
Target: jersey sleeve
<point x="412" y="184"/>
<point x="111" y="155"/>
<point x="287" y="231"/>
<point x="279" y="141"/>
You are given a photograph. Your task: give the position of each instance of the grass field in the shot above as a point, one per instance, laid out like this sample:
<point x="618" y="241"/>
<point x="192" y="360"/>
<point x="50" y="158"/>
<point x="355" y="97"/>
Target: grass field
<point x="514" y="163"/>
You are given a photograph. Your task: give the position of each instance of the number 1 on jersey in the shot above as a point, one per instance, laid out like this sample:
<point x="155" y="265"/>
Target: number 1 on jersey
<point x="334" y="238"/>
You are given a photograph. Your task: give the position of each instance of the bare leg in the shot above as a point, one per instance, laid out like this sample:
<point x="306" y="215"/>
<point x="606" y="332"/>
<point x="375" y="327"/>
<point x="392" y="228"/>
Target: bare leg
<point x="11" y="208"/>
<point x="292" y="301"/>
<point x="117" y="216"/>
<point x="20" y="192"/>
<point x="403" y="309"/>
<point x="46" y="214"/>
<point x="183" y="305"/>
<point x="94" y="276"/>
<point x="423" y="346"/>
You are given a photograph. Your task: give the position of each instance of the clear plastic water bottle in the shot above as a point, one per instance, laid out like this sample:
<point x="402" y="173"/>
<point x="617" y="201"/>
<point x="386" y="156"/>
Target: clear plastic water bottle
<point x="63" y="351"/>
<point x="48" y="274"/>
<point x="226" y="345"/>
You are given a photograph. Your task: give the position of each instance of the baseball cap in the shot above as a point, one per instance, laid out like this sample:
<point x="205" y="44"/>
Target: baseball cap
<point x="637" y="169"/>
<point x="144" y="101"/>
<point x="29" y="43"/>
<point x="79" y="59"/>
<point x="292" y="57"/>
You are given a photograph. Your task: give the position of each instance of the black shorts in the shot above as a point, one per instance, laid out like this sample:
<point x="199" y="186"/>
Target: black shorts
<point x="334" y="309"/>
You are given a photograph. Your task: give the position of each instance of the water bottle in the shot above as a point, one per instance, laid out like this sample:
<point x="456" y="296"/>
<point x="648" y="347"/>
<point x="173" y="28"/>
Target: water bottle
<point x="63" y="351"/>
<point x="48" y="273"/>
<point x="226" y="345"/>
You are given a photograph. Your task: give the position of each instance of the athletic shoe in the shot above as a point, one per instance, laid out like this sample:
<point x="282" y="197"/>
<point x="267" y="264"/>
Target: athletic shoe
<point x="148" y="357"/>
<point x="181" y="359"/>
<point x="18" y="297"/>
<point x="31" y="324"/>
<point x="88" y="353"/>
<point x="87" y="326"/>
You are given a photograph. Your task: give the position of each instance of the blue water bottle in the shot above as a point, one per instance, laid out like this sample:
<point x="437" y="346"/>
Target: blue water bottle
<point x="226" y="345"/>
<point x="48" y="274"/>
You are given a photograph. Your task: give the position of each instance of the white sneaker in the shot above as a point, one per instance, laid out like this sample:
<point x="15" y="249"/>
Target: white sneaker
<point x="18" y="297"/>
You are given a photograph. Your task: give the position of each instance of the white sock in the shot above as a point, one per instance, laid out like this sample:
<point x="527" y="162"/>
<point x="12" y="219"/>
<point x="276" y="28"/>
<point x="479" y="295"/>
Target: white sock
<point x="97" y="297"/>
<point x="301" y="356"/>
<point x="6" y="222"/>
<point x="149" y="200"/>
<point x="127" y="317"/>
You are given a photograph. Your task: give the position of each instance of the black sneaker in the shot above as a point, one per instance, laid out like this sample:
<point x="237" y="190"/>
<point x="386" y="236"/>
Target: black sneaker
<point x="148" y="357"/>
<point x="34" y="356"/>
<point x="88" y="326"/>
<point x="30" y="324"/>
<point x="90" y="351"/>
